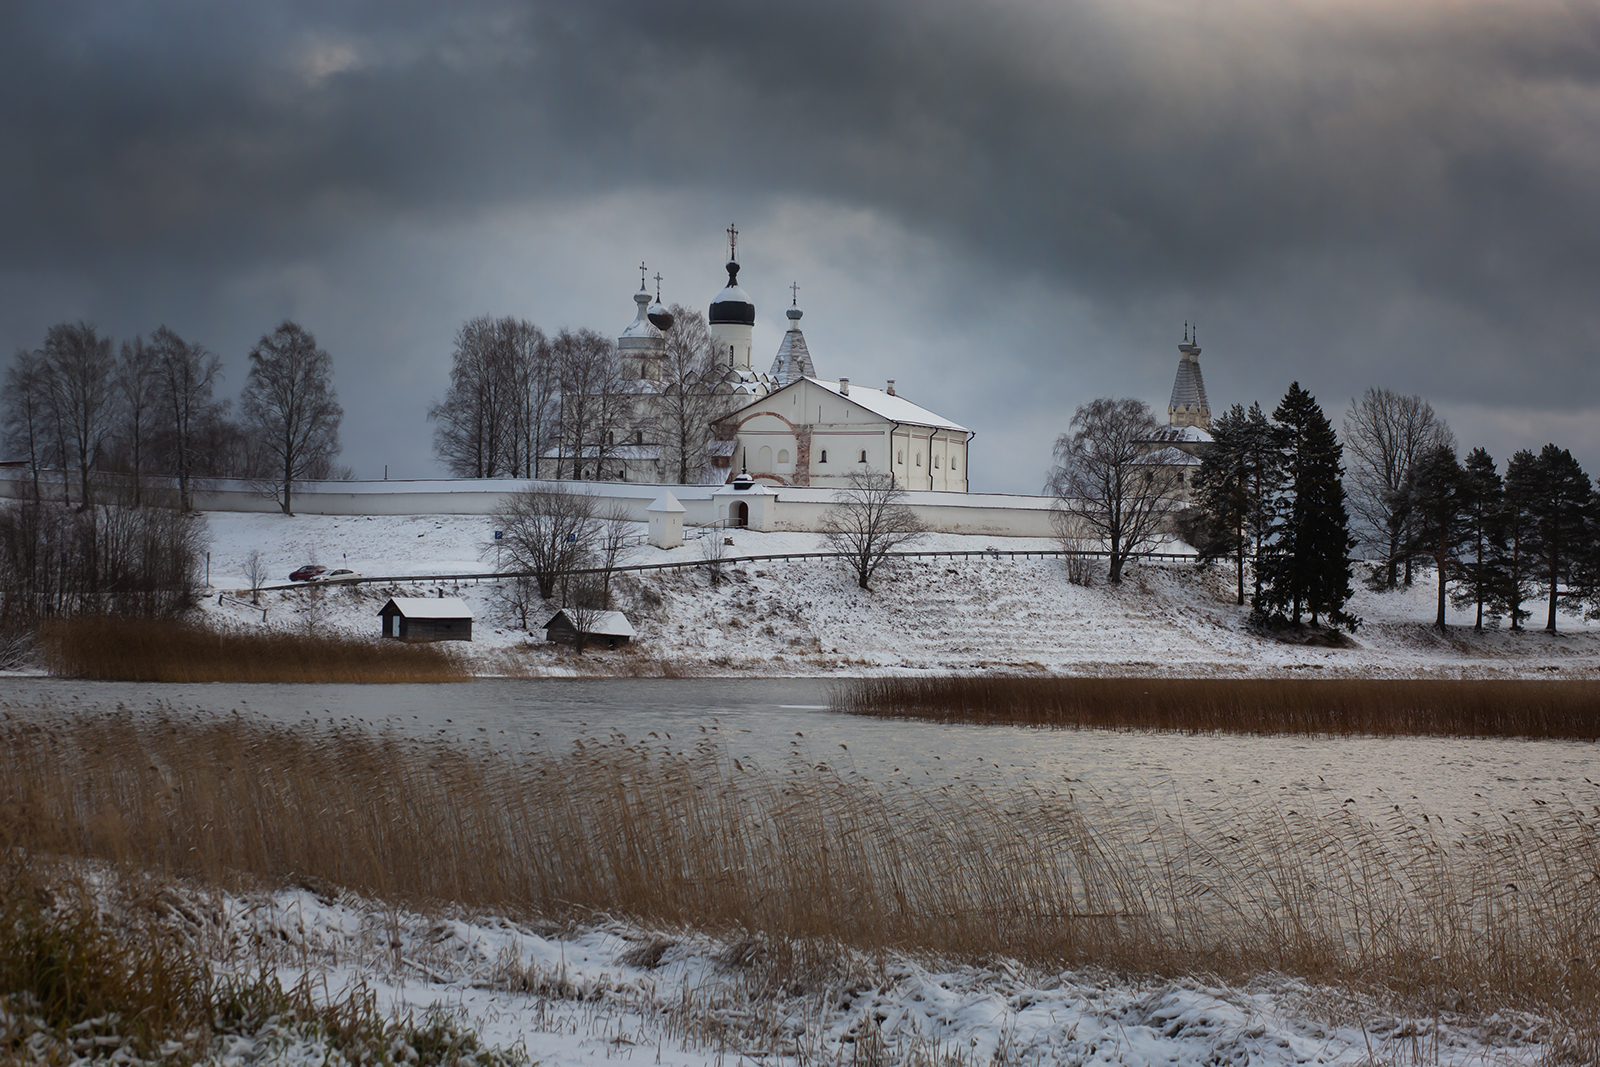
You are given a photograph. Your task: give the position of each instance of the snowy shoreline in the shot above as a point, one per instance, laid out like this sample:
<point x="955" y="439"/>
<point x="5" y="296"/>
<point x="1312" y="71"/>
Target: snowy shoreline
<point x="808" y="618"/>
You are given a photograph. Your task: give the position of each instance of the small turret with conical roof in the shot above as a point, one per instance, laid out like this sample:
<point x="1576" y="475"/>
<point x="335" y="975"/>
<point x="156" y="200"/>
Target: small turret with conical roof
<point x="794" y="359"/>
<point x="1188" y="406"/>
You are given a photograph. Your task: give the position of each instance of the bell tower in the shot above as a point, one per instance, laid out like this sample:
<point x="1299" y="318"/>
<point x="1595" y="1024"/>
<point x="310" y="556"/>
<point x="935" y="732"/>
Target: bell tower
<point x="1188" y="406"/>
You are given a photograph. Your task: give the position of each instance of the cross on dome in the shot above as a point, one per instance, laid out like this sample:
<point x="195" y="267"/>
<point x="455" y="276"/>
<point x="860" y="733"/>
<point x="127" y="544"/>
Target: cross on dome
<point x="794" y="288"/>
<point x="733" y="243"/>
<point x="658" y="287"/>
<point x="642" y="269"/>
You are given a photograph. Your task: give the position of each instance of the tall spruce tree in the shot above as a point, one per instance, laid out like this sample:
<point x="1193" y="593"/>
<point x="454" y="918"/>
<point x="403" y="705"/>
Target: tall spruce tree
<point x="1436" y="503"/>
<point x="1305" y="563"/>
<point x="1484" y="541"/>
<point x="1559" y="509"/>
<point x="1234" y="488"/>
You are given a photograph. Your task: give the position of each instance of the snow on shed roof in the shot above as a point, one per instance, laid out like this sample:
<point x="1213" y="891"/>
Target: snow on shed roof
<point x="666" y="502"/>
<point x="603" y="623"/>
<point x="429" y="607"/>
<point x="893" y="408"/>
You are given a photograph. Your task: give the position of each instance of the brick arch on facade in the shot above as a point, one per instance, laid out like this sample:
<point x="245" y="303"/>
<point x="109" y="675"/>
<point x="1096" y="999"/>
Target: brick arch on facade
<point x="802" y="450"/>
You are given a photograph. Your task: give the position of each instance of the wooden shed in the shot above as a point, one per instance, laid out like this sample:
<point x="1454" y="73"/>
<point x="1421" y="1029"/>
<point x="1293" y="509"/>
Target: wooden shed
<point x="422" y="618"/>
<point x="604" y="629"/>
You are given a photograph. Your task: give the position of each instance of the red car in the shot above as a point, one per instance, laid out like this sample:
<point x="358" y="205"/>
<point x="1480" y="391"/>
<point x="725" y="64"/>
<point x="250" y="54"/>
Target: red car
<point x="306" y="573"/>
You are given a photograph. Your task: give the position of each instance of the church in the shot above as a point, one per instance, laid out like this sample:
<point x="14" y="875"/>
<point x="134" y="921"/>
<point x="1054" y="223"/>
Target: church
<point x="786" y="426"/>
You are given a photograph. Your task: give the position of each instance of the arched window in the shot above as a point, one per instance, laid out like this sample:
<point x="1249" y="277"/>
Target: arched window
<point x="919" y="459"/>
<point x="824" y="458"/>
<point x="611" y="438"/>
<point x="863" y="455"/>
<point x="900" y="456"/>
<point x="783" y="455"/>
<point x="764" y="458"/>
<point x="952" y="463"/>
<point x="638" y="437"/>
<point x="935" y="461"/>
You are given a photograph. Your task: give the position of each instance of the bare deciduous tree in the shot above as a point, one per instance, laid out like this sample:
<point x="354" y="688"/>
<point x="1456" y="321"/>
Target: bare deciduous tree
<point x="548" y="533"/>
<point x="255" y="572"/>
<point x="1385" y="435"/>
<point x="28" y="414"/>
<point x="137" y="380"/>
<point x="594" y="405"/>
<point x="1113" y="479"/>
<point x="690" y="400"/>
<point x="868" y="520"/>
<point x="81" y="375"/>
<point x="187" y="375"/>
<point x="289" y="401"/>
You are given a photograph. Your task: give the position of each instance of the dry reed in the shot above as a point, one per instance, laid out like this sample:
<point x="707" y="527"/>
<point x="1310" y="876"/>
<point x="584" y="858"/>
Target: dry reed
<point x="1338" y="707"/>
<point x="116" y="648"/>
<point x="1499" y="914"/>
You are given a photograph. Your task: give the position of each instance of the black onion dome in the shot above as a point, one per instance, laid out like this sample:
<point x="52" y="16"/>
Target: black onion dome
<point x="733" y="305"/>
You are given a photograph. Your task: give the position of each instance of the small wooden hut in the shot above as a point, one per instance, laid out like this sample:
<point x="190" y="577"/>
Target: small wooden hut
<point x="602" y="629"/>
<point x="422" y="618"/>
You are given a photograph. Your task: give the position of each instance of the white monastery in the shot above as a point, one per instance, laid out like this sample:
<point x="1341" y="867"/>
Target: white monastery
<point x="788" y="427"/>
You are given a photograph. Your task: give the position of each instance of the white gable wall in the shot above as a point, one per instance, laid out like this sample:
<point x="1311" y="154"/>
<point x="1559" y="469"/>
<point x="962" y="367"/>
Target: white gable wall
<point x="809" y="434"/>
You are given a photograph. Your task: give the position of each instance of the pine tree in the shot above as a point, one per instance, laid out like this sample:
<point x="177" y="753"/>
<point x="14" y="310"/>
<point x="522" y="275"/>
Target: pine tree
<point x="1559" y="508"/>
<point x="1436" y="502"/>
<point x="1484" y="502"/>
<point x="1237" y="479"/>
<point x="1305" y="564"/>
<point x="1515" y="561"/>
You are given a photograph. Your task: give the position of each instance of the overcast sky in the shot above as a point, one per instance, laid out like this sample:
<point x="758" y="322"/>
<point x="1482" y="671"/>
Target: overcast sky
<point x="1009" y="208"/>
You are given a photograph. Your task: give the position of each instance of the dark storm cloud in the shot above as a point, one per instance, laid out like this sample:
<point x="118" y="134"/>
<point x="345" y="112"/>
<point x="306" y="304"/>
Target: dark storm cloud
<point x="1406" y="189"/>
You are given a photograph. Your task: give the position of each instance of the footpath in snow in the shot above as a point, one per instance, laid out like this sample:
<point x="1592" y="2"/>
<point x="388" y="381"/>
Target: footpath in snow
<point x="807" y="617"/>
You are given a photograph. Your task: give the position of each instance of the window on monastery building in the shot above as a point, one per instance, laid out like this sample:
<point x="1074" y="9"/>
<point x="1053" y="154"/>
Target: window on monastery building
<point x="783" y="455"/>
<point x="952" y="463"/>
<point x="824" y="458"/>
<point x="611" y="438"/>
<point x="638" y="437"/>
<point x="919" y="459"/>
<point x="900" y="456"/>
<point x="863" y="455"/>
<point x="935" y="461"/>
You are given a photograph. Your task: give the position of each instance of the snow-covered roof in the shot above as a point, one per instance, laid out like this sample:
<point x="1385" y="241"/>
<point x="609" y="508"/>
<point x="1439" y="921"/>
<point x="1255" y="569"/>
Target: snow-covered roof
<point x="721" y="448"/>
<point x="793" y="361"/>
<point x="893" y="408"/>
<point x="603" y="623"/>
<point x="666" y="502"/>
<point x="1192" y="434"/>
<point x="429" y="607"/>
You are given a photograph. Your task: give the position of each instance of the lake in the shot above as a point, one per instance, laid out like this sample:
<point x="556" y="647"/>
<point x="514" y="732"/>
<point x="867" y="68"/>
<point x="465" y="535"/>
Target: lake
<point x="773" y="721"/>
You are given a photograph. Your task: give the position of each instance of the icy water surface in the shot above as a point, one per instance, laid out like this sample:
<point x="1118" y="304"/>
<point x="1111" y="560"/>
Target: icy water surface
<point x="774" y="721"/>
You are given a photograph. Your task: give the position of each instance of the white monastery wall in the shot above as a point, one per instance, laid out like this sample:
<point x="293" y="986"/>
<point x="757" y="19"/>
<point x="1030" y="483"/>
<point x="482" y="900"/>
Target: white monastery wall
<point x="791" y="508"/>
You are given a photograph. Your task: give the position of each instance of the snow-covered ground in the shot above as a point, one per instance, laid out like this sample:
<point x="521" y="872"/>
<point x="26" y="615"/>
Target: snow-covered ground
<point x="608" y="993"/>
<point x="807" y="617"/>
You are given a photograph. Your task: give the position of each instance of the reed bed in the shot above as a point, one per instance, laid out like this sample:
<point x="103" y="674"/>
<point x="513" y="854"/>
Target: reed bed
<point x="118" y="648"/>
<point x="1496" y="915"/>
<point x="1337" y="707"/>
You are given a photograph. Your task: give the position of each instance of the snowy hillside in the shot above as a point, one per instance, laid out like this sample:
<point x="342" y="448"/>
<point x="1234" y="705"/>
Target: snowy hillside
<point x="808" y="617"/>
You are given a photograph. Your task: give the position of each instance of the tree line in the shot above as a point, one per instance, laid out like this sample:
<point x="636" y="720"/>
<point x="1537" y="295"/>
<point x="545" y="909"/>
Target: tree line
<point x="144" y="415"/>
<point x="522" y="404"/>
<point x="1496" y="543"/>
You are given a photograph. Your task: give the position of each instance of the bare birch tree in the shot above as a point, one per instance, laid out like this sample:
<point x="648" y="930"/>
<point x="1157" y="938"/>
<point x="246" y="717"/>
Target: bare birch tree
<point x="594" y="405"/>
<point x="137" y="380"/>
<point x="690" y="401"/>
<point x="28" y="416"/>
<point x="548" y="534"/>
<point x="187" y="374"/>
<point x="1114" y="479"/>
<point x="869" y="520"/>
<point x="289" y="401"/>
<point x="81" y="375"/>
<point x="1385" y="435"/>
